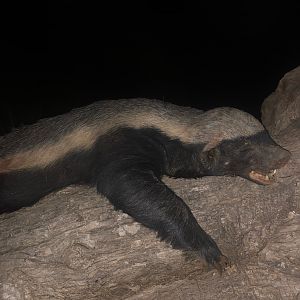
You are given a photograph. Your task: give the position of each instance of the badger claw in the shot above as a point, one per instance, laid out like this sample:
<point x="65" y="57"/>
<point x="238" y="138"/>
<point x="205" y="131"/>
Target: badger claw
<point x="221" y="264"/>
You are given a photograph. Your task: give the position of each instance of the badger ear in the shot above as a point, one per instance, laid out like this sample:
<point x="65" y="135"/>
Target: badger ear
<point x="214" y="142"/>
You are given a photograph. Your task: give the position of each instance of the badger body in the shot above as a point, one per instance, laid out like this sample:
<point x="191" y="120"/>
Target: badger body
<point x="124" y="147"/>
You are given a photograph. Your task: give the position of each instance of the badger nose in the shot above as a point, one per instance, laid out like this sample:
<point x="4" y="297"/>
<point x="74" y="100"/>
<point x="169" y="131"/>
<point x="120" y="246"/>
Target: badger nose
<point x="283" y="156"/>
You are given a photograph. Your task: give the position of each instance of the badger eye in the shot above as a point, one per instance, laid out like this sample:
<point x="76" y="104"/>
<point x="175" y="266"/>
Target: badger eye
<point x="212" y="154"/>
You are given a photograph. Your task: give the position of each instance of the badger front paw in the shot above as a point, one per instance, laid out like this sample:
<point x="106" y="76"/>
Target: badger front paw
<point x="213" y="256"/>
<point x="222" y="263"/>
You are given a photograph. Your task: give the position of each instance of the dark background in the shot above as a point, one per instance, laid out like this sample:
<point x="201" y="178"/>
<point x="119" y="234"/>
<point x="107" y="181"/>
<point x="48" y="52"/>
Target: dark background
<point x="65" y="54"/>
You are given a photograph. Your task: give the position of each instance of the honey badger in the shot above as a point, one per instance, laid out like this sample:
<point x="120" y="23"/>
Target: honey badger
<point x="124" y="147"/>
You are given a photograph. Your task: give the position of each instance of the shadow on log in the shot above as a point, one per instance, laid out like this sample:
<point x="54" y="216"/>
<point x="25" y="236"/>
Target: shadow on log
<point x="73" y="245"/>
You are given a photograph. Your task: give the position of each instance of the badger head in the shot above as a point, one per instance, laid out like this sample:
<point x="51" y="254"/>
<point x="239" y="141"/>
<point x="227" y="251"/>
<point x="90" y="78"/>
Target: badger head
<point x="241" y="147"/>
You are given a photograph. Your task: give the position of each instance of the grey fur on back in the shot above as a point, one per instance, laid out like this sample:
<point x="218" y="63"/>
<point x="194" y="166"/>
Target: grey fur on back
<point x="48" y="140"/>
<point x="50" y="130"/>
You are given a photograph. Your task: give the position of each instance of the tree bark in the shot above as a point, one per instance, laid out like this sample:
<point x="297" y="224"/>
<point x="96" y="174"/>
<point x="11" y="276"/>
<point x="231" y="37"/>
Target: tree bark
<point x="73" y="245"/>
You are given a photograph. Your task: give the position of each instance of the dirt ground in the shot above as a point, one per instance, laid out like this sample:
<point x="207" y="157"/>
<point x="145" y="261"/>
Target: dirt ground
<point x="73" y="245"/>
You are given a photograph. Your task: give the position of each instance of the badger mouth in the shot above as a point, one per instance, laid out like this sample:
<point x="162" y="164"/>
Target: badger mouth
<point x="263" y="178"/>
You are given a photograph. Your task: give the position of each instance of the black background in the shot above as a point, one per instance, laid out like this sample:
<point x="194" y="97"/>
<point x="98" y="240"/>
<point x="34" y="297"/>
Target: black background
<point x="65" y="54"/>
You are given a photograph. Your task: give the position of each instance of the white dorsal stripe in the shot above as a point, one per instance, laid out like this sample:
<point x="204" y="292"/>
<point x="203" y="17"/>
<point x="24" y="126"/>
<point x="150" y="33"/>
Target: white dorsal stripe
<point x="79" y="129"/>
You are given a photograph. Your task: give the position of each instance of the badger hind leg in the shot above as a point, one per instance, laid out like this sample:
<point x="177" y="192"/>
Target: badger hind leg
<point x="22" y="188"/>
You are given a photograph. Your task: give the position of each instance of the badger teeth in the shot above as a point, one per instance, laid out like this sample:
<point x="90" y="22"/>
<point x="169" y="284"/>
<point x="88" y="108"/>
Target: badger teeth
<point x="263" y="178"/>
<point x="271" y="174"/>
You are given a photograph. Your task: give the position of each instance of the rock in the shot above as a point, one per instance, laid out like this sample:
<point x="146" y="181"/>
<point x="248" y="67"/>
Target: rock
<point x="281" y="116"/>
<point x="282" y="107"/>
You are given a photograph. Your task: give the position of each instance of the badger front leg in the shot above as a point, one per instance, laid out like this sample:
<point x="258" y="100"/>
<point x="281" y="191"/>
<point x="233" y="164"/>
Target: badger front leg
<point x="149" y="201"/>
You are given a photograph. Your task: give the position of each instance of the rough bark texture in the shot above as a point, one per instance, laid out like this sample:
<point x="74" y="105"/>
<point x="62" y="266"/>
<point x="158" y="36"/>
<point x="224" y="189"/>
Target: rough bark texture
<point x="282" y="107"/>
<point x="73" y="245"/>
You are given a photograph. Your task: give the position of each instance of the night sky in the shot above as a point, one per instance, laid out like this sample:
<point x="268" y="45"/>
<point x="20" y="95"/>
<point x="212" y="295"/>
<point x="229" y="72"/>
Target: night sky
<point x="67" y="54"/>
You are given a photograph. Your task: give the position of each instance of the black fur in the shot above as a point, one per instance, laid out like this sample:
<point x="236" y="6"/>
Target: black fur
<point x="127" y="164"/>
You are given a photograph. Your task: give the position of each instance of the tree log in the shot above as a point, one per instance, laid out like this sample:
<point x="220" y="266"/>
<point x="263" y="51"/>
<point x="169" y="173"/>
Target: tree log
<point x="73" y="245"/>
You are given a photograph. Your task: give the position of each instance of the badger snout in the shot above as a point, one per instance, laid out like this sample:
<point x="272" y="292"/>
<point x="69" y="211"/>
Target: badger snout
<point x="277" y="157"/>
<point x="282" y="157"/>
